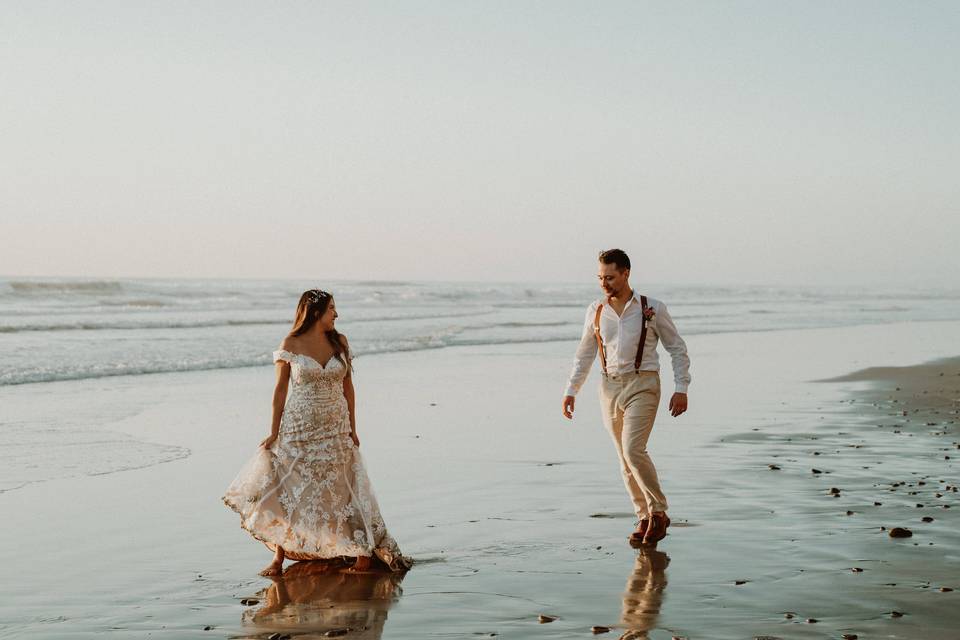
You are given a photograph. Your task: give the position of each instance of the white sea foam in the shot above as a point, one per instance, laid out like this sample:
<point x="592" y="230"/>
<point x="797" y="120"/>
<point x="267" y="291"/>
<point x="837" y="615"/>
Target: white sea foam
<point x="64" y="329"/>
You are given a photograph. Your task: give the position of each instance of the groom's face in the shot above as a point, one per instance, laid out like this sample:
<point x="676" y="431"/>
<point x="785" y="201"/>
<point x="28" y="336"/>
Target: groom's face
<point x="613" y="281"/>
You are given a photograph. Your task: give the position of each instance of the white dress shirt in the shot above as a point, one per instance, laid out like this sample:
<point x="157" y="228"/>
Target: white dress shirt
<point x="621" y="335"/>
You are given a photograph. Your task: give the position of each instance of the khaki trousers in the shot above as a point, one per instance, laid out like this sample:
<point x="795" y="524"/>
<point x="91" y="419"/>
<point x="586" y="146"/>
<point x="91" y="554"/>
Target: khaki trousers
<point x="629" y="404"/>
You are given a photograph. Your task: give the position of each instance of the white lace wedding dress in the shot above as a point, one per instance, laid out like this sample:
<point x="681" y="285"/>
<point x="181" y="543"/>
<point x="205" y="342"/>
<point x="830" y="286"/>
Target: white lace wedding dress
<point x="309" y="493"/>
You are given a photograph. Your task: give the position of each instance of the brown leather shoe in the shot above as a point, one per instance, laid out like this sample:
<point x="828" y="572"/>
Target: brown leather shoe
<point x="637" y="536"/>
<point x="657" y="530"/>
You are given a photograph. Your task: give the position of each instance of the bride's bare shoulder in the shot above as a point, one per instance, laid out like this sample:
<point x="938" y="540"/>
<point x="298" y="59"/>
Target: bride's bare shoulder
<point x="289" y="343"/>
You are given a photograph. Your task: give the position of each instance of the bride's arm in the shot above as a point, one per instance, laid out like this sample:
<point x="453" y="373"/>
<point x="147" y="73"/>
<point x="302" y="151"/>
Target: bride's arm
<point x="349" y="393"/>
<point x="279" y="401"/>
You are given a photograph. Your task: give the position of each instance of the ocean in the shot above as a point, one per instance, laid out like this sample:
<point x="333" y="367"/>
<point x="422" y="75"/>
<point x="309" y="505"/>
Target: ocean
<point x="67" y="329"/>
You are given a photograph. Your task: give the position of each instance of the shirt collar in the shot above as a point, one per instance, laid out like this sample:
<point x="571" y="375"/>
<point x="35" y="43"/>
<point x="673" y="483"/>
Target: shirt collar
<point x="633" y="298"/>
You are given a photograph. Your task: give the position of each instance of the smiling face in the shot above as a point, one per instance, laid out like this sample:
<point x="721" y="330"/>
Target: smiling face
<point x="613" y="280"/>
<point x="329" y="317"/>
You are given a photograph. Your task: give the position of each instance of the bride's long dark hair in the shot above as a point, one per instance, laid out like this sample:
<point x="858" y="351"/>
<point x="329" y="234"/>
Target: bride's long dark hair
<point x="313" y="304"/>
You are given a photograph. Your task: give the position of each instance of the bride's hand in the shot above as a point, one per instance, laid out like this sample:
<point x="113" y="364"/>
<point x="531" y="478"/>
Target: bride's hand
<point x="356" y="440"/>
<point x="268" y="441"/>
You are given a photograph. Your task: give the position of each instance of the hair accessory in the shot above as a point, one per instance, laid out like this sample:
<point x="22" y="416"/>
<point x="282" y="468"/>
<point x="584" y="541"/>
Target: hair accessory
<point x="318" y="295"/>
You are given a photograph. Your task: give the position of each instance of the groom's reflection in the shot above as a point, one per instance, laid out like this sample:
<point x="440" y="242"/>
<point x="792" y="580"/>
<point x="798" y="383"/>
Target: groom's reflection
<point x="643" y="595"/>
<point x="313" y="596"/>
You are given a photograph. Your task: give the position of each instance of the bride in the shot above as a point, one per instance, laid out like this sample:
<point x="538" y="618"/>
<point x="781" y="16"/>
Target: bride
<point x="306" y="494"/>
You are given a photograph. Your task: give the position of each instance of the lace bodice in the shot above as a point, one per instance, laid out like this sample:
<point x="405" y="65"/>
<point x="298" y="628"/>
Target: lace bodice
<point x="306" y="370"/>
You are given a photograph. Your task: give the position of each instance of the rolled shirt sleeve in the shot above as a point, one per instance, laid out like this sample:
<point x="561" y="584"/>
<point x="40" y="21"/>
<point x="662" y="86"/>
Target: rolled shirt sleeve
<point x="675" y="346"/>
<point x="586" y="354"/>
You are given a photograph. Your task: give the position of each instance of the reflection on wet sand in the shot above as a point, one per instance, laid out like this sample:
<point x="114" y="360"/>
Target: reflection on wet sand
<point x="643" y="595"/>
<point x="313" y="597"/>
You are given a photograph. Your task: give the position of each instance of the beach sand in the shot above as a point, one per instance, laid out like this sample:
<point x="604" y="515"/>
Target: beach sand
<point x="512" y="512"/>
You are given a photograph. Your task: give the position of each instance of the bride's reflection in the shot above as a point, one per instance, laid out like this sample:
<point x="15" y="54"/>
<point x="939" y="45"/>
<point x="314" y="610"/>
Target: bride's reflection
<point x="315" y="597"/>
<point x="643" y="594"/>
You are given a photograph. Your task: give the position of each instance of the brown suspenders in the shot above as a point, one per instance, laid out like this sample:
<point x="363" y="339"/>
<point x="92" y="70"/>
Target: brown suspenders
<point x="643" y="336"/>
<point x="596" y="332"/>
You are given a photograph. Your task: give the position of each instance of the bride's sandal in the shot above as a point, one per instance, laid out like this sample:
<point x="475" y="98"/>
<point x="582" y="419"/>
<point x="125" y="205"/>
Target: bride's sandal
<point x="363" y="564"/>
<point x="272" y="570"/>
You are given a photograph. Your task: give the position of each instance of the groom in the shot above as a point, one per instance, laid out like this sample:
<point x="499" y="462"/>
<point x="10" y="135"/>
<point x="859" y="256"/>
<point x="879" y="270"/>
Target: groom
<point x="624" y="327"/>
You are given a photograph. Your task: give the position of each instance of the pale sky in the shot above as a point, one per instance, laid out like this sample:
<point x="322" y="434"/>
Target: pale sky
<point x="717" y="142"/>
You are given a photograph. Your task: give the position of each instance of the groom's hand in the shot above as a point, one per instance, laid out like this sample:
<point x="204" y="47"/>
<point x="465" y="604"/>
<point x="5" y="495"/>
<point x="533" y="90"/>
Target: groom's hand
<point x="568" y="402"/>
<point x="678" y="404"/>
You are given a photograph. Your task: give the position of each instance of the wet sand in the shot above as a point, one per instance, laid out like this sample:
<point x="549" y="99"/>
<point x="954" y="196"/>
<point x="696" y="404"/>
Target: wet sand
<point x="512" y="512"/>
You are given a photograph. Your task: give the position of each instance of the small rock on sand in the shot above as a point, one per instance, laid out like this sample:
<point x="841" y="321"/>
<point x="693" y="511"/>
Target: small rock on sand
<point x="249" y="602"/>
<point x="815" y="471"/>
<point x="849" y="636"/>
<point x="812" y="620"/>
<point x="927" y="519"/>
<point x="900" y="532"/>
<point x="545" y="619"/>
<point x="946" y="589"/>
<point x="857" y="570"/>
<point x="599" y="629"/>
<point x="896" y="614"/>
<point x="773" y="467"/>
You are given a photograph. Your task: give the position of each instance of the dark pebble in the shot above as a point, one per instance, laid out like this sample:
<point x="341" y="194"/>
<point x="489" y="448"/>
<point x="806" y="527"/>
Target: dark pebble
<point x="208" y="628"/>
<point x="740" y="581"/>
<point x="773" y="467"/>
<point x="788" y="616"/>
<point x="900" y="532"/>
<point x="812" y="620"/>
<point x="834" y="491"/>
<point x="249" y="602"/>
<point x="849" y="513"/>
<point x="927" y="519"/>
<point x="816" y="471"/>
<point x="857" y="570"/>
<point x="919" y="506"/>
<point x="877" y="504"/>
<point x="946" y="589"/>
<point x="896" y="614"/>
<point x="849" y="636"/>
<point x="599" y="629"/>
<point x="545" y="619"/>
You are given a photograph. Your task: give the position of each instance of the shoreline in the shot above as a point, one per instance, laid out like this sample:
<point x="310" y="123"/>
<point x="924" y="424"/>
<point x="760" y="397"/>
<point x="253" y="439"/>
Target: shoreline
<point x="483" y="483"/>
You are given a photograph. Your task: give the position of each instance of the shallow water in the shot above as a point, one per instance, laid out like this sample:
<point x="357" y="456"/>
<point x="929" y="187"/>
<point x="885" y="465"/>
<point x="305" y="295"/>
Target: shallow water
<point x="492" y="492"/>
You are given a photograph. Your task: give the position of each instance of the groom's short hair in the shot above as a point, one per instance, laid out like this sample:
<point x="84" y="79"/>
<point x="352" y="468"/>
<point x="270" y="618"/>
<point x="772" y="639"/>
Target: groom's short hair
<point x="617" y="257"/>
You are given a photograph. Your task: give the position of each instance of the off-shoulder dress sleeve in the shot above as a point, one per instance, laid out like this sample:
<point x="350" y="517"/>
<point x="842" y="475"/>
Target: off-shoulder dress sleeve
<point x="281" y="355"/>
